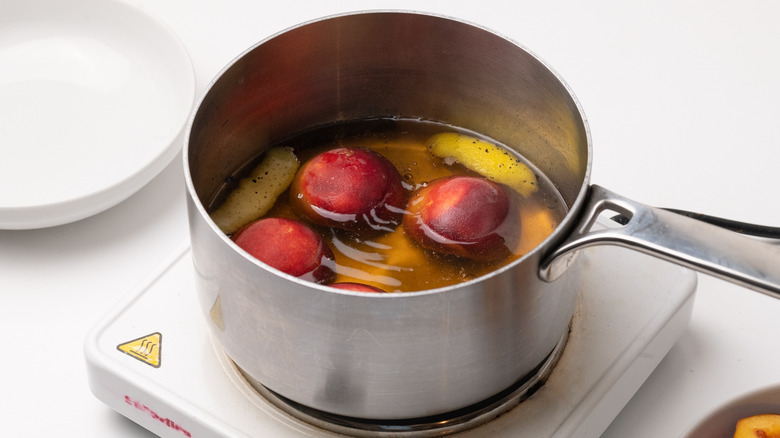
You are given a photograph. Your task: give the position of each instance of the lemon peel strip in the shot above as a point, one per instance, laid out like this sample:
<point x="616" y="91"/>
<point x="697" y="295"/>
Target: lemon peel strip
<point x="487" y="159"/>
<point x="256" y="194"/>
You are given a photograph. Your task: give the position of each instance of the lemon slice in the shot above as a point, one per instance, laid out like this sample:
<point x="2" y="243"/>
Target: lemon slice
<point x="493" y="162"/>
<point x="256" y="194"/>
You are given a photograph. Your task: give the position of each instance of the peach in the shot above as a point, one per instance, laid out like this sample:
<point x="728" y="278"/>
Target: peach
<point x="289" y="246"/>
<point x="758" y="426"/>
<point x="359" y="287"/>
<point x="464" y="216"/>
<point x="349" y="188"/>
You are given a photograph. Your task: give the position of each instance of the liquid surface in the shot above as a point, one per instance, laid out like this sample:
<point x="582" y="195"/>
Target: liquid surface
<point x="392" y="261"/>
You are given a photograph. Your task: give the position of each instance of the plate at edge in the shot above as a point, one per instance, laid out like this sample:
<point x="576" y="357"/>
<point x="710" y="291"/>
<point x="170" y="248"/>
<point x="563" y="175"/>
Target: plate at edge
<point x="722" y="422"/>
<point x="94" y="95"/>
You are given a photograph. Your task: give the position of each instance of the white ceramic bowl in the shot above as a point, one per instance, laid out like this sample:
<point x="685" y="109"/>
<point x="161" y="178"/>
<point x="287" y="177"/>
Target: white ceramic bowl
<point x="93" y="96"/>
<point x="722" y="422"/>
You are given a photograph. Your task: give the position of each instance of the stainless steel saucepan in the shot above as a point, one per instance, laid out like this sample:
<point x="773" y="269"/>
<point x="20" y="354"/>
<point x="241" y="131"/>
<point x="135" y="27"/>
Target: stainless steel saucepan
<point x="410" y="355"/>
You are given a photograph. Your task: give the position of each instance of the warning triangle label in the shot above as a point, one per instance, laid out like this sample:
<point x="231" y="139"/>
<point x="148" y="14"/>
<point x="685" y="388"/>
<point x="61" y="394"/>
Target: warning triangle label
<point x="146" y="349"/>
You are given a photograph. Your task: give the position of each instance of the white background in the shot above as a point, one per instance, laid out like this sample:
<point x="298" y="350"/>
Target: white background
<point x="683" y="103"/>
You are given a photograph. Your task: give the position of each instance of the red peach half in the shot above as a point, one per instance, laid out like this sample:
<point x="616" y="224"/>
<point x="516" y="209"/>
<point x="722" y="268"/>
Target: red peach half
<point x="349" y="188"/>
<point x="464" y="216"/>
<point x="289" y="246"/>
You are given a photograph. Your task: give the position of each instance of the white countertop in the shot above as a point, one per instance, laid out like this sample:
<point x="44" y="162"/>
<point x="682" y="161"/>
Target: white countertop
<point x="682" y="100"/>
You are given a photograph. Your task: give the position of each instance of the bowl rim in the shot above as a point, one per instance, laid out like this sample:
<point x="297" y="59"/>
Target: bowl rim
<point x="722" y="421"/>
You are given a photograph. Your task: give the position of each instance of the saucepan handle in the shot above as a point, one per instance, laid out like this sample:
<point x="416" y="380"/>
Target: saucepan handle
<point x="689" y="242"/>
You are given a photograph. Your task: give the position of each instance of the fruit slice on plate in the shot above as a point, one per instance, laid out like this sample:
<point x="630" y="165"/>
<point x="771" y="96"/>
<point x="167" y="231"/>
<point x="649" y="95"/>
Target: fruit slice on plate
<point x="759" y="426"/>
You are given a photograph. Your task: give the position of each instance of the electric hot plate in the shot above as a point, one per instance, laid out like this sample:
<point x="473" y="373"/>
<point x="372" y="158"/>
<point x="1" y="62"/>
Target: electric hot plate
<point x="152" y="358"/>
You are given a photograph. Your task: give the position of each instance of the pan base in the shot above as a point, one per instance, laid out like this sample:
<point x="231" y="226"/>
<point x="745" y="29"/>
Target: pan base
<point x="422" y="427"/>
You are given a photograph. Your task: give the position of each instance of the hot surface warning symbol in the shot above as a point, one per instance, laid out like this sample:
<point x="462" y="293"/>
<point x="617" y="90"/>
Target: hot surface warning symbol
<point x="146" y="349"/>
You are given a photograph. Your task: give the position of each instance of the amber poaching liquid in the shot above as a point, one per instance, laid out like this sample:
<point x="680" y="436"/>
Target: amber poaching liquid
<point x="393" y="262"/>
